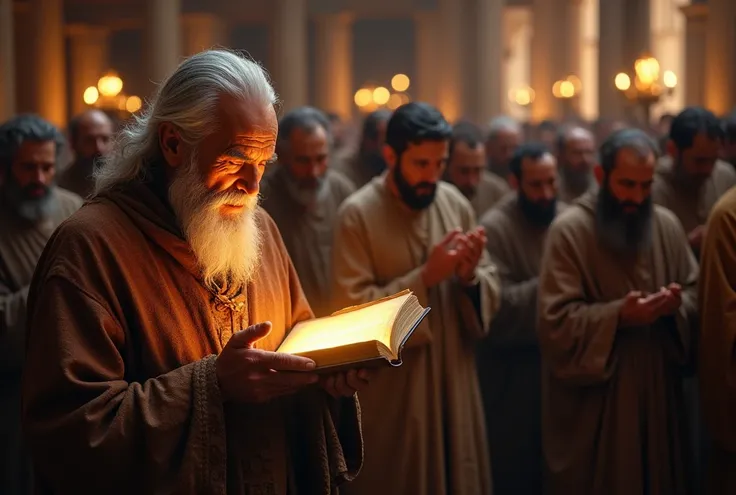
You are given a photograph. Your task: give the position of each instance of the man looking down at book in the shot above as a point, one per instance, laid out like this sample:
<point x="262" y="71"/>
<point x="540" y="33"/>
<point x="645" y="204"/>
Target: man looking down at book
<point x="423" y="422"/>
<point x="154" y="310"/>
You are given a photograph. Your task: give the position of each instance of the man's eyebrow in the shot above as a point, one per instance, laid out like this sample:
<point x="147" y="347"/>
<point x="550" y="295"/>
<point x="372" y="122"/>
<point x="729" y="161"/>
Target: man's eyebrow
<point x="235" y="152"/>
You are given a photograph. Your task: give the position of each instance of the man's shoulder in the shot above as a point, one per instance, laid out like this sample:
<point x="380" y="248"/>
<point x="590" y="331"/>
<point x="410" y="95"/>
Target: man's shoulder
<point x="724" y="174"/>
<point x="367" y="197"/>
<point x="449" y="195"/>
<point x="724" y="211"/>
<point x="339" y="183"/>
<point x="666" y="217"/>
<point x="499" y="217"/>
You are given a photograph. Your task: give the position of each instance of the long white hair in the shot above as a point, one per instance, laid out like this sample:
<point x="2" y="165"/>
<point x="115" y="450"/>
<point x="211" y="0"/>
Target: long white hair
<point x="187" y="99"/>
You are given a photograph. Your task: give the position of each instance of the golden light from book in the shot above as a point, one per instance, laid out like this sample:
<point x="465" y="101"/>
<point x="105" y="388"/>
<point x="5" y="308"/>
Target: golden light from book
<point x="400" y="82"/>
<point x="110" y="85"/>
<point x="381" y="95"/>
<point x="91" y="95"/>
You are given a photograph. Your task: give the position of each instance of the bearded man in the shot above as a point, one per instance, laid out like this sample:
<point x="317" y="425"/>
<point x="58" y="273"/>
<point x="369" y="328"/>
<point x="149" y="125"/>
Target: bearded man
<point x="508" y="359"/>
<point x="302" y="196"/>
<point x="576" y="159"/>
<point x="31" y="207"/>
<point x="617" y="314"/>
<point x="504" y="136"/>
<point x="406" y="229"/>
<point x="368" y="162"/>
<point x="155" y="311"/>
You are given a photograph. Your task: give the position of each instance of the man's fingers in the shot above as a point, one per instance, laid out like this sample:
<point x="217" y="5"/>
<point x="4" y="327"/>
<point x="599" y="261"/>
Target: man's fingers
<point x="287" y="381"/>
<point x="246" y="338"/>
<point x="281" y="361"/>
<point x="357" y="379"/>
<point x="451" y="236"/>
<point x="341" y="385"/>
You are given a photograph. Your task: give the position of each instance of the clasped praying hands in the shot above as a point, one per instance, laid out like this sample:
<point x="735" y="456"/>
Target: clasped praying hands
<point x="457" y="254"/>
<point x="641" y="309"/>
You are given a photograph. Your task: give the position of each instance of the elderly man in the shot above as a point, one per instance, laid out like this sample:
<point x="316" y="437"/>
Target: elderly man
<point x="90" y="135"/>
<point x="576" y="157"/>
<point x="504" y="135"/>
<point x="466" y="169"/>
<point x="155" y="311"/>
<point x="302" y="196"/>
<point x="31" y="207"/>
<point x="407" y="229"/>
<point x="617" y="317"/>
<point x="508" y="359"/>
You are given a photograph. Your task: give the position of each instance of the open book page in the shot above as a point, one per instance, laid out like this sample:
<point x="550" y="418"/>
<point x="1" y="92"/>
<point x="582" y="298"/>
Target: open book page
<point x="368" y="323"/>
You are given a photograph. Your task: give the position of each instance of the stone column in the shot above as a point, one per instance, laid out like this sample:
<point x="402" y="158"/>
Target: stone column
<point x="88" y="51"/>
<point x="201" y="31"/>
<point x="573" y="51"/>
<point x="488" y="43"/>
<point x="425" y="87"/>
<point x="611" y="59"/>
<point x="449" y="65"/>
<point x="720" y="56"/>
<point x="334" y="63"/>
<point x="692" y="78"/>
<point x="49" y="60"/>
<point x="289" y="52"/>
<point x="7" y="61"/>
<point x="637" y="30"/>
<point x="548" y="57"/>
<point x="162" y="38"/>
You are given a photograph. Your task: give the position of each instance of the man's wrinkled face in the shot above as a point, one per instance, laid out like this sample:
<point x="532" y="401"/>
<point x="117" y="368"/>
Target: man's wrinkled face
<point x="418" y="170"/>
<point x="501" y="146"/>
<point x="93" y="138"/>
<point x="465" y="167"/>
<point x="697" y="162"/>
<point x="305" y="158"/>
<point x="27" y="187"/>
<point x="538" y="189"/>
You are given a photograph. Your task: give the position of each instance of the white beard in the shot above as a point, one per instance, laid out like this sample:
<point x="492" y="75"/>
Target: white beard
<point x="227" y="248"/>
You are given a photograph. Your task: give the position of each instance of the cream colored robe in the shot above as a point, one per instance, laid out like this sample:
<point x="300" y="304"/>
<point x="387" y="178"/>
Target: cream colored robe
<point x="423" y="422"/>
<point x="490" y="191"/>
<point x="717" y="366"/>
<point x="508" y="359"/>
<point x="612" y="408"/>
<point x="308" y="234"/>
<point x="21" y="245"/>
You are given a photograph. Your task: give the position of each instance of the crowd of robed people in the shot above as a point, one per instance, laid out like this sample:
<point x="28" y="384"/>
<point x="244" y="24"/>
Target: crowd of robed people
<point x="571" y="342"/>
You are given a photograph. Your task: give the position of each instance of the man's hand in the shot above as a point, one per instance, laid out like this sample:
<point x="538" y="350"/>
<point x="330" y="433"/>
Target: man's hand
<point x="470" y="249"/>
<point x="443" y="260"/>
<point x="695" y="237"/>
<point x="345" y="384"/>
<point x="639" y="310"/>
<point x="254" y="375"/>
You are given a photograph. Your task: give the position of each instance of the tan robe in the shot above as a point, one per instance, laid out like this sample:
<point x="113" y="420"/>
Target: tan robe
<point x="690" y="206"/>
<point x="21" y="245"/>
<point x="490" y="191"/>
<point x="423" y="421"/>
<point x="612" y="398"/>
<point x="508" y="359"/>
<point x="717" y="365"/>
<point x="120" y="393"/>
<point x="308" y="234"/>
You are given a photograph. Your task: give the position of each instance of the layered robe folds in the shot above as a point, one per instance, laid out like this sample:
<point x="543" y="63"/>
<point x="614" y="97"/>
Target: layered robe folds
<point x="508" y="359"/>
<point x="423" y="422"/>
<point x="21" y="244"/>
<point x="120" y="393"/>
<point x="612" y="420"/>
<point x="491" y="189"/>
<point x="717" y="365"/>
<point x="308" y="233"/>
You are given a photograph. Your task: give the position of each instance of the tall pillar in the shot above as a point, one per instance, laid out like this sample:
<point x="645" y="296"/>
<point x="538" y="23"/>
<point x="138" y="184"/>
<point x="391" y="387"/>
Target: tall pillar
<point x="88" y="60"/>
<point x="289" y="52"/>
<point x="548" y="59"/>
<point x="450" y="60"/>
<point x="426" y="46"/>
<point x="49" y="60"/>
<point x="611" y="60"/>
<point x="692" y="78"/>
<point x="334" y="63"/>
<point x="720" y="56"/>
<point x="162" y="38"/>
<point x="7" y="61"/>
<point x="517" y="64"/>
<point x="488" y="42"/>
<point x="201" y="31"/>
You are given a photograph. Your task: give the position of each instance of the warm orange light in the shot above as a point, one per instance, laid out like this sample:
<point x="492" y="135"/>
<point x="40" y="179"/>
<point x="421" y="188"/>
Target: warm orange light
<point x="110" y="85"/>
<point x="381" y="95"/>
<point x="363" y="97"/>
<point x="622" y="81"/>
<point x="669" y="79"/>
<point x="133" y="104"/>
<point x="91" y="95"/>
<point x="400" y="82"/>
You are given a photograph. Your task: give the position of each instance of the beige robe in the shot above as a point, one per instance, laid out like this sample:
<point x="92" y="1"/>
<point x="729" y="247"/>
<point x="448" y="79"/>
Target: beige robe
<point x="423" y="421"/>
<point x="120" y="393"/>
<point x="308" y="234"/>
<point x="490" y="191"/>
<point x="612" y="398"/>
<point x="717" y="365"/>
<point x="21" y="245"/>
<point x="691" y="206"/>
<point x="508" y="359"/>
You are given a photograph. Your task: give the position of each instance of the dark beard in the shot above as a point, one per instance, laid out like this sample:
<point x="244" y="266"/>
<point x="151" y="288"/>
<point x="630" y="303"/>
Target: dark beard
<point x="409" y="194"/>
<point x="540" y="214"/>
<point x="30" y="208"/>
<point x="626" y="233"/>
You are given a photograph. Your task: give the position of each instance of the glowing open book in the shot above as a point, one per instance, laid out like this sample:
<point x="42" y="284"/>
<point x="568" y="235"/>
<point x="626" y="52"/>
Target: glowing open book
<point x="354" y="336"/>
